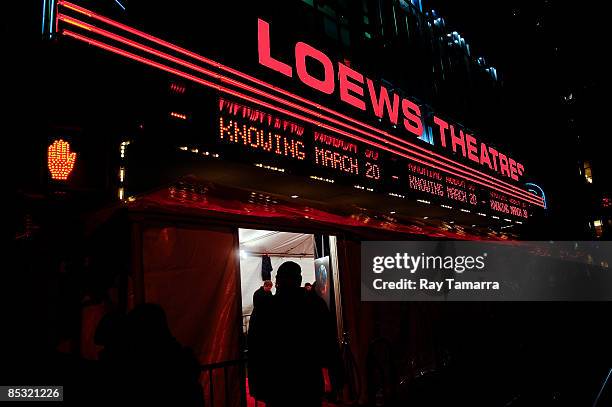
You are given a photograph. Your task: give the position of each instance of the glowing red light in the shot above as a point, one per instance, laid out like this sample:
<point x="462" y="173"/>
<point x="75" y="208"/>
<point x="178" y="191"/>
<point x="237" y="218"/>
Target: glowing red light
<point x="178" y="115"/>
<point x="177" y="88"/>
<point x="60" y="160"/>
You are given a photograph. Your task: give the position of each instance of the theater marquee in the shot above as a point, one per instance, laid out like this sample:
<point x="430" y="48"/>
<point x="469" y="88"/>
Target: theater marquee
<point x="261" y="122"/>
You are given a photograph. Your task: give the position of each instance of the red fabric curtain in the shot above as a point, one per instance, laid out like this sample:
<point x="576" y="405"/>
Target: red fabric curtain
<point x="194" y="275"/>
<point x="358" y="315"/>
<point x="408" y="327"/>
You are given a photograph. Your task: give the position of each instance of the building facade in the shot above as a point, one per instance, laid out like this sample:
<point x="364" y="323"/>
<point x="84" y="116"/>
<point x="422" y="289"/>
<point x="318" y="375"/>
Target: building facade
<point x="167" y="127"/>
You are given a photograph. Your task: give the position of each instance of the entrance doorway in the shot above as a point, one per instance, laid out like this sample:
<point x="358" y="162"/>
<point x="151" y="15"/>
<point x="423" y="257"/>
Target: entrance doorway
<point x="262" y="252"/>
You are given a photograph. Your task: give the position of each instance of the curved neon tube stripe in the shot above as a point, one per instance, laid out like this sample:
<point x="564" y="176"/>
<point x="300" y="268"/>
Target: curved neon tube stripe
<point x="262" y="83"/>
<point x="541" y="191"/>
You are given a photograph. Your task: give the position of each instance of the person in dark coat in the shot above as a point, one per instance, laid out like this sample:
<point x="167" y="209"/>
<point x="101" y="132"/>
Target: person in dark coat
<point x="147" y="366"/>
<point x="296" y="324"/>
<point x="258" y="349"/>
<point x="262" y="294"/>
<point x="266" y="268"/>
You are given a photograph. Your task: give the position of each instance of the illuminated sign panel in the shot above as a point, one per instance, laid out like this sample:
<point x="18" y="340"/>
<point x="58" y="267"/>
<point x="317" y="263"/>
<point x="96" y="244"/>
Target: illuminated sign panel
<point x="256" y="130"/>
<point x="256" y="135"/>
<point x="271" y="137"/>
<point x="352" y="85"/>
<point x="264" y="122"/>
<point x="60" y="160"/>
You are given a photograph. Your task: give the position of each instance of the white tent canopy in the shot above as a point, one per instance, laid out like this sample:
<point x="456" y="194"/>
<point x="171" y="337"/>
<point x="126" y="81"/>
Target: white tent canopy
<point x="275" y="243"/>
<point x="281" y="247"/>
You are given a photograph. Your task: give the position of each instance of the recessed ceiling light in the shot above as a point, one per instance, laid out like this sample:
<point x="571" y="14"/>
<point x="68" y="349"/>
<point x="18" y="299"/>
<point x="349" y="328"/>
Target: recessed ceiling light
<point x="295" y="196"/>
<point x="425" y="217"/>
<point x="392" y="212"/>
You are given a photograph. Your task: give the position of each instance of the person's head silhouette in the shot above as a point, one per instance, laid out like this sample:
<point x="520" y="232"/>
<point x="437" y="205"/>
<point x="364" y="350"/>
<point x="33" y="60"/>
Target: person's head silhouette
<point x="148" y="322"/>
<point x="288" y="275"/>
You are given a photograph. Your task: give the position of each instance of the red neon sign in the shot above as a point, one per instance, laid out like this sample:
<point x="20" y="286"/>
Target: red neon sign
<point x="381" y="102"/>
<point x="404" y="149"/>
<point x="60" y="160"/>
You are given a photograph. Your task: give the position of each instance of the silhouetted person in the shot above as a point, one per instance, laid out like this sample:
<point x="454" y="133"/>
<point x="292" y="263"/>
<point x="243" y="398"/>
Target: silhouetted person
<point x="110" y="335"/>
<point x="311" y="291"/>
<point x="333" y="358"/>
<point x="297" y="326"/>
<point x="258" y="349"/>
<point x="148" y="365"/>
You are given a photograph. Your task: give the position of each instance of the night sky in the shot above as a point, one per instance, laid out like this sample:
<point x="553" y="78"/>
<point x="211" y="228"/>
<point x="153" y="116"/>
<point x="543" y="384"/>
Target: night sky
<point x="552" y="59"/>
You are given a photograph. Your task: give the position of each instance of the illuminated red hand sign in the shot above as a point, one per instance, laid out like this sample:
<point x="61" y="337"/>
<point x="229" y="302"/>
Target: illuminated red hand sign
<point x="60" y="160"/>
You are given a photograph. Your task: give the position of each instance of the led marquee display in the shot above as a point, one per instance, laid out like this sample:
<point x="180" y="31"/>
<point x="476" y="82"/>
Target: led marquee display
<point x="249" y="133"/>
<point x="256" y="131"/>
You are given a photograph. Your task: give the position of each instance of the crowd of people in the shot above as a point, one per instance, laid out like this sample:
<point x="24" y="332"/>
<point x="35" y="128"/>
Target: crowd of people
<point x="142" y="362"/>
<point x="138" y="360"/>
